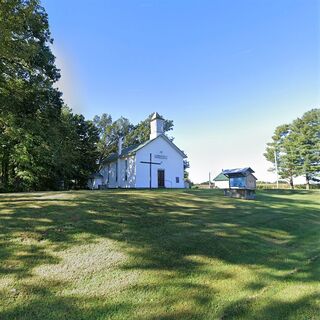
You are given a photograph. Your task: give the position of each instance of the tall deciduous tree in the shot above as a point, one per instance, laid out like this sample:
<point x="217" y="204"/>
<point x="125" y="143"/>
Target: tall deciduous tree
<point x="42" y="146"/>
<point x="283" y="150"/>
<point x="296" y="146"/>
<point x="29" y="104"/>
<point x="110" y="132"/>
<point x="77" y="151"/>
<point x="306" y="132"/>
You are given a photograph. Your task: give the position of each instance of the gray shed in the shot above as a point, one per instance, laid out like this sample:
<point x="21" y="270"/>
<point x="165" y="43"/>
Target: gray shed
<point x="242" y="183"/>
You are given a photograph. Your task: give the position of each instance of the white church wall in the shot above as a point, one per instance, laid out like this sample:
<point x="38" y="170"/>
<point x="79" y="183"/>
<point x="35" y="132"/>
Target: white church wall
<point x="114" y="179"/>
<point x="112" y="182"/>
<point x="105" y="173"/>
<point x="130" y="169"/>
<point x="171" y="161"/>
<point x="94" y="183"/>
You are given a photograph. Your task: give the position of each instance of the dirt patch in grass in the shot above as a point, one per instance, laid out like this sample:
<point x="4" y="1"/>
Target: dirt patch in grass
<point x="91" y="269"/>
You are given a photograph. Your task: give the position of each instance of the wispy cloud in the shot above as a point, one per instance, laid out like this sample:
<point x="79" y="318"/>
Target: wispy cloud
<point x="70" y="83"/>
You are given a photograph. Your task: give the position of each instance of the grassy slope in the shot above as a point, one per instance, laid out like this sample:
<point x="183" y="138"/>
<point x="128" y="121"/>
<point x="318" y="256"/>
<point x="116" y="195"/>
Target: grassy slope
<point x="159" y="255"/>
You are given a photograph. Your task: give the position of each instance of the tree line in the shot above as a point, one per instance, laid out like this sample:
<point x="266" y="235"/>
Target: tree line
<point x="43" y="144"/>
<point x="295" y="149"/>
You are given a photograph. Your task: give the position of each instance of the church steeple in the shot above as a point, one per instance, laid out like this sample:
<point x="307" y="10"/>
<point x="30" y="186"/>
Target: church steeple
<point x="156" y="125"/>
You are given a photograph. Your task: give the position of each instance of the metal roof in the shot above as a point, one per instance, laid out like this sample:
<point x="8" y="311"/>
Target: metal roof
<point x="237" y="171"/>
<point x="221" y="177"/>
<point x="134" y="148"/>
<point x="96" y="175"/>
<point x="112" y="157"/>
<point x="156" y="115"/>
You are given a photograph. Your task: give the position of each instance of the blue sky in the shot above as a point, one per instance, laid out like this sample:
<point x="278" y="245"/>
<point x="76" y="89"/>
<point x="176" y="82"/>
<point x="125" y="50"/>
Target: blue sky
<point x="227" y="72"/>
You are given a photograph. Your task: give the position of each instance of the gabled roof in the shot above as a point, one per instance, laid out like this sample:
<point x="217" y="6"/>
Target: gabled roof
<point x="156" y="115"/>
<point x="134" y="148"/>
<point x="112" y="157"/>
<point x="237" y="171"/>
<point x="221" y="177"/>
<point x="95" y="175"/>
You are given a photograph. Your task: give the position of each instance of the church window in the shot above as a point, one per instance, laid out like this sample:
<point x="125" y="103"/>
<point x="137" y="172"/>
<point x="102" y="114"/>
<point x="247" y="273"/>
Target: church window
<point x="177" y="179"/>
<point x="116" y="171"/>
<point x="126" y="170"/>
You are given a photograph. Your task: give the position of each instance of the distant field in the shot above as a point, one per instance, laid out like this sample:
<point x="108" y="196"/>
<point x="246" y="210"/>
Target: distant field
<point x="189" y="254"/>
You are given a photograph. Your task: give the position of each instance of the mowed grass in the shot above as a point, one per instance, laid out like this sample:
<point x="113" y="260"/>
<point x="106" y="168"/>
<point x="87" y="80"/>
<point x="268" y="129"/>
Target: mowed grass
<point x="166" y="254"/>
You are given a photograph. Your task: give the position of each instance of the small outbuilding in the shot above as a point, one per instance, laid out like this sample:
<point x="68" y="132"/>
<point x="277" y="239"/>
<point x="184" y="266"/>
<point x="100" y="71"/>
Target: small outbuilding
<point x="221" y="181"/>
<point x="241" y="183"/>
<point x="241" y="178"/>
<point x="95" y="180"/>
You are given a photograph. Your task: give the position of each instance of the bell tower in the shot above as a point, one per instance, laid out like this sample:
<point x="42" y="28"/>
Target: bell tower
<point x="156" y="125"/>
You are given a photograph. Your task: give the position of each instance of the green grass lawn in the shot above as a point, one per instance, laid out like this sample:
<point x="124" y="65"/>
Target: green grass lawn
<point x="189" y="254"/>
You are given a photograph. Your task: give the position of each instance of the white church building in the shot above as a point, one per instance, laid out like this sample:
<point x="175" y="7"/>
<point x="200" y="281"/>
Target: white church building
<point x="156" y="163"/>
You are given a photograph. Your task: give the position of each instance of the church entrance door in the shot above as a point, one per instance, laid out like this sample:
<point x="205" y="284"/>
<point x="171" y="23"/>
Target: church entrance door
<point x="161" y="178"/>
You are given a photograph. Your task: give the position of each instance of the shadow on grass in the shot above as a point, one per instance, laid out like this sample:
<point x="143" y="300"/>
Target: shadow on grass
<point x="277" y="309"/>
<point x="161" y="231"/>
<point x="43" y="303"/>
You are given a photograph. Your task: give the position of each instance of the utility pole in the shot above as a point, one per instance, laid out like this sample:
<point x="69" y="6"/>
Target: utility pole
<point x="276" y="166"/>
<point x="209" y="180"/>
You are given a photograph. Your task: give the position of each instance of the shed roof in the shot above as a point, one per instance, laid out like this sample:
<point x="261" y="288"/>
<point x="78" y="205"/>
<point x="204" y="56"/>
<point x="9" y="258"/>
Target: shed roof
<point x="221" y="177"/>
<point x="237" y="171"/>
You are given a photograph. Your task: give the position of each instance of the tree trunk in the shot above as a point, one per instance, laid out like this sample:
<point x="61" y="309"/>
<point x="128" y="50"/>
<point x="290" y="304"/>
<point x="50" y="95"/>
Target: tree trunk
<point x="307" y="182"/>
<point x="5" y="171"/>
<point x="291" y="183"/>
